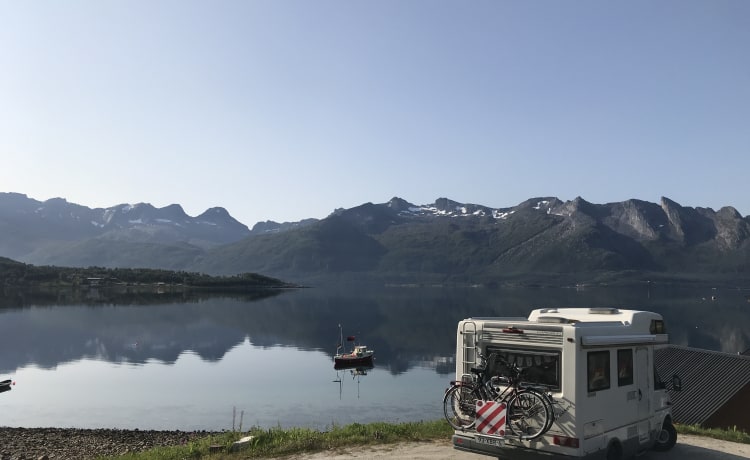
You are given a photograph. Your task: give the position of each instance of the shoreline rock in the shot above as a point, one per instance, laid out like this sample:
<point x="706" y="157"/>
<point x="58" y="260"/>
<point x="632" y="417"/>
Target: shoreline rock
<point x="84" y="444"/>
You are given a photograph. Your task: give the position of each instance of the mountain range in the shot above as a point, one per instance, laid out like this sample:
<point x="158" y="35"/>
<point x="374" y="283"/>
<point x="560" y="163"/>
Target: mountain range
<point x="539" y="240"/>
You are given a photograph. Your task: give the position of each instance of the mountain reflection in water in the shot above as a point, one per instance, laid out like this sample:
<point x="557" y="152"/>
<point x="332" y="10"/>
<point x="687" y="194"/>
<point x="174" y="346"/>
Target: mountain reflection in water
<point x="229" y="347"/>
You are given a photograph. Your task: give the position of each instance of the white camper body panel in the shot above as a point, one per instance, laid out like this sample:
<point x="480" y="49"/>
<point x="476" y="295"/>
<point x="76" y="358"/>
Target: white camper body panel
<point x="598" y="365"/>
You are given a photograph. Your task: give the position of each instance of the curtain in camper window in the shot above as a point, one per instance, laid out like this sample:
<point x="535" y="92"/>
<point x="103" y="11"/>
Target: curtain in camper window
<point x="624" y="367"/>
<point x="598" y="370"/>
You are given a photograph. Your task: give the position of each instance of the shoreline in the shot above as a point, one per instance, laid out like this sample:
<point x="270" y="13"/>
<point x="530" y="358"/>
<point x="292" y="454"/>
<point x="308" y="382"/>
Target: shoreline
<point x="86" y="443"/>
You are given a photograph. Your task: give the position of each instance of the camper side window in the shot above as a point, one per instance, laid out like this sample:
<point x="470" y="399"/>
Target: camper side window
<point x="624" y="367"/>
<point x="658" y="383"/>
<point x="598" y="370"/>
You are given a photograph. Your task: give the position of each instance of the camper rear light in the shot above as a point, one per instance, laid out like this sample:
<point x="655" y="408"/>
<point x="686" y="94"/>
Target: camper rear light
<point x="565" y="441"/>
<point x="512" y="330"/>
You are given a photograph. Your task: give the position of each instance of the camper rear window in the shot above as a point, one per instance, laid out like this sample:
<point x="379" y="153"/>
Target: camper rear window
<point x="540" y="367"/>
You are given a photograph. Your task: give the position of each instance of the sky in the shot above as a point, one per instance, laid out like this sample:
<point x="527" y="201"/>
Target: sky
<point x="283" y="110"/>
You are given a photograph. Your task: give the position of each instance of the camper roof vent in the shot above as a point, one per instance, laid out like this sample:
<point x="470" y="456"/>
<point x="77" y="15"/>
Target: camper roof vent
<point x="555" y="320"/>
<point x="552" y="319"/>
<point x="548" y="310"/>
<point x="604" y="311"/>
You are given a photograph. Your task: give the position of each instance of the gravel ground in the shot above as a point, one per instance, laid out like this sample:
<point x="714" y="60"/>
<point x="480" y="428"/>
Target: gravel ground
<point x="688" y="448"/>
<point x="75" y="444"/>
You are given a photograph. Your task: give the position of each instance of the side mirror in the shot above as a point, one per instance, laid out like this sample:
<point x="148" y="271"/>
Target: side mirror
<point x="676" y="383"/>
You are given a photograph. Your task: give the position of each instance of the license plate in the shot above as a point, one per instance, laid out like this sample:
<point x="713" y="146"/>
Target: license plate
<point x="490" y="440"/>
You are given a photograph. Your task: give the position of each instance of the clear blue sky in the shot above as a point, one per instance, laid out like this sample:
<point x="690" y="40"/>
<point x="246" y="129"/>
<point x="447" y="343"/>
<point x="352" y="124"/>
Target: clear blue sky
<point x="284" y="110"/>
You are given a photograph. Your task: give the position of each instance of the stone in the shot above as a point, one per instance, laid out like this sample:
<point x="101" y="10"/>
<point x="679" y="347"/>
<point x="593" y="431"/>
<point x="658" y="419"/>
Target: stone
<point x="241" y="444"/>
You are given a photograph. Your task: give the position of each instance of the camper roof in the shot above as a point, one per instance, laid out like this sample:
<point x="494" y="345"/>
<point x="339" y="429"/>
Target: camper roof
<point x="593" y="315"/>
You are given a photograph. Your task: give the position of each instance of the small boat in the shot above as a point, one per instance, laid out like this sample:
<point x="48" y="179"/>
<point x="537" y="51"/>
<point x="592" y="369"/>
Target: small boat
<point x="5" y="385"/>
<point x="359" y="356"/>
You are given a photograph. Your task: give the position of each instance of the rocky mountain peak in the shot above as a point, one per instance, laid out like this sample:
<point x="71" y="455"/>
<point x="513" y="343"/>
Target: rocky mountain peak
<point x="445" y="205"/>
<point x="216" y="214"/>
<point x="728" y="212"/>
<point x="673" y="212"/>
<point x="638" y="219"/>
<point x="174" y="211"/>
<point x="731" y="228"/>
<point x="399" y="204"/>
<point x="576" y="208"/>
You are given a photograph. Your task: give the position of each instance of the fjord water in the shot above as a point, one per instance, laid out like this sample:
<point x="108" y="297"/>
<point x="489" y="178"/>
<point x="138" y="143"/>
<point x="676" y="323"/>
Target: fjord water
<point x="180" y="362"/>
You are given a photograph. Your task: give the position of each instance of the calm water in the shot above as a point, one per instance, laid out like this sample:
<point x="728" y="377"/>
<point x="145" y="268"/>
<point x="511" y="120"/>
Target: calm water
<point x="165" y="362"/>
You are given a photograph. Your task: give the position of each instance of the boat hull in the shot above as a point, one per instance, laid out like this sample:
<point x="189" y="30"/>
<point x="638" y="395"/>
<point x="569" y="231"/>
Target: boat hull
<point x="345" y="363"/>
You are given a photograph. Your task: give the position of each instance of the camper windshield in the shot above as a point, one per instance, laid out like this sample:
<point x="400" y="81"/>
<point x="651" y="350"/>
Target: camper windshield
<point x="540" y="367"/>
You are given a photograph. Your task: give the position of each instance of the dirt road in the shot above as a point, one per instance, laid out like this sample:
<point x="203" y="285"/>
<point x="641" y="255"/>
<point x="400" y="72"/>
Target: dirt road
<point x="687" y="448"/>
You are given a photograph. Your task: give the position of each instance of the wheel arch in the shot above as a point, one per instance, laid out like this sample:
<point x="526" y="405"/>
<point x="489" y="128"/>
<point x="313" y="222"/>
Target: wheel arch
<point x="614" y="449"/>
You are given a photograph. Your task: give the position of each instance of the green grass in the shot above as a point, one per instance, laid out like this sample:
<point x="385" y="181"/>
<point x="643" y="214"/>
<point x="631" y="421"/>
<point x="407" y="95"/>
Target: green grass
<point x="733" y="434"/>
<point x="276" y="442"/>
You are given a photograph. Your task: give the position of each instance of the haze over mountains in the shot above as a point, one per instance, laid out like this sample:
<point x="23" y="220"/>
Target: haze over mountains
<point x="393" y="242"/>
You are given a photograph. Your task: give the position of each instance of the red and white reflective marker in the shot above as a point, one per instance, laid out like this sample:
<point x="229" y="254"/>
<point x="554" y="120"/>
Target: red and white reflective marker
<point x="491" y="417"/>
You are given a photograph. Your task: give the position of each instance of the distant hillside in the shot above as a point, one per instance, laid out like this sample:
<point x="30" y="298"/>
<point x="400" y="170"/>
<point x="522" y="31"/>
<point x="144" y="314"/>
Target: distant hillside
<point x="538" y="241"/>
<point x="61" y="233"/>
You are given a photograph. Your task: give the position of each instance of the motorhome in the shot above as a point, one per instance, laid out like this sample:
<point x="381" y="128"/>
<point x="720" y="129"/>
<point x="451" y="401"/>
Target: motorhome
<point x="596" y="364"/>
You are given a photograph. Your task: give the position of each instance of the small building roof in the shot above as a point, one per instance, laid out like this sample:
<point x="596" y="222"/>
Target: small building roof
<point x="709" y="380"/>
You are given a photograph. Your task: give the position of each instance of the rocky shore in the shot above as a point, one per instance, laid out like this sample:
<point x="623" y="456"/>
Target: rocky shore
<point x="77" y="444"/>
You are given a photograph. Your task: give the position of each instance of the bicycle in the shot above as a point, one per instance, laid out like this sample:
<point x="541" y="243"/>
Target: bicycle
<point x="529" y="411"/>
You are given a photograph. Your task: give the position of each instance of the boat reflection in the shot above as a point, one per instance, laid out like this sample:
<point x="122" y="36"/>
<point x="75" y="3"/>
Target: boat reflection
<point x="356" y="372"/>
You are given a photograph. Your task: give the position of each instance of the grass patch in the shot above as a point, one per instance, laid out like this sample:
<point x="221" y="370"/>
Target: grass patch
<point x="731" y="434"/>
<point x="276" y="442"/>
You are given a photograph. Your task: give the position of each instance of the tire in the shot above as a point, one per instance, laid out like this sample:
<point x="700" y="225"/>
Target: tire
<point x="614" y="451"/>
<point x="528" y="415"/>
<point x="666" y="438"/>
<point x="459" y="406"/>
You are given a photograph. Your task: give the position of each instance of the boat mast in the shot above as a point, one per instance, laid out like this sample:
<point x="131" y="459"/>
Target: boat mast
<point x="341" y="339"/>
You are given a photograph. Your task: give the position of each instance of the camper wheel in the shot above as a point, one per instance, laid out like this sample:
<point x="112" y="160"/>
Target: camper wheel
<point x="667" y="436"/>
<point x="614" y="451"/>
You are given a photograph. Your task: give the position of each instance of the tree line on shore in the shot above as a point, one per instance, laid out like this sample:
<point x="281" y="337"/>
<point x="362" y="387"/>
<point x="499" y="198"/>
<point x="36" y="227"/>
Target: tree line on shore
<point x="17" y="274"/>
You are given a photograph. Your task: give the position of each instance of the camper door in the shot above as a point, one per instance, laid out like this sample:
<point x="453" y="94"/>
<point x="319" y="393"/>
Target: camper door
<point x="643" y="387"/>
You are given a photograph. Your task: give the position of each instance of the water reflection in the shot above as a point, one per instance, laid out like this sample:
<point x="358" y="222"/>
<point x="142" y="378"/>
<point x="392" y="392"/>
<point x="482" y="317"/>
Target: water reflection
<point x="356" y="373"/>
<point x="408" y="327"/>
<point x="184" y="362"/>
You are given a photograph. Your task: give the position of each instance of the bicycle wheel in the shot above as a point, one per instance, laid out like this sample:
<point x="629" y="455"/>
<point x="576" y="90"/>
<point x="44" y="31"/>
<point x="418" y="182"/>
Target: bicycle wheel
<point x="528" y="415"/>
<point x="459" y="406"/>
<point x="550" y="403"/>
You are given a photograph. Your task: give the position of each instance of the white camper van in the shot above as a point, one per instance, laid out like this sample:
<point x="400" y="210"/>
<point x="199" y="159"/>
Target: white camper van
<point x="596" y="364"/>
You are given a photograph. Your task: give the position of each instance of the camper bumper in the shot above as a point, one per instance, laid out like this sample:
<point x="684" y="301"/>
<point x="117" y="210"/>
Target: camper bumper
<point x="511" y="452"/>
